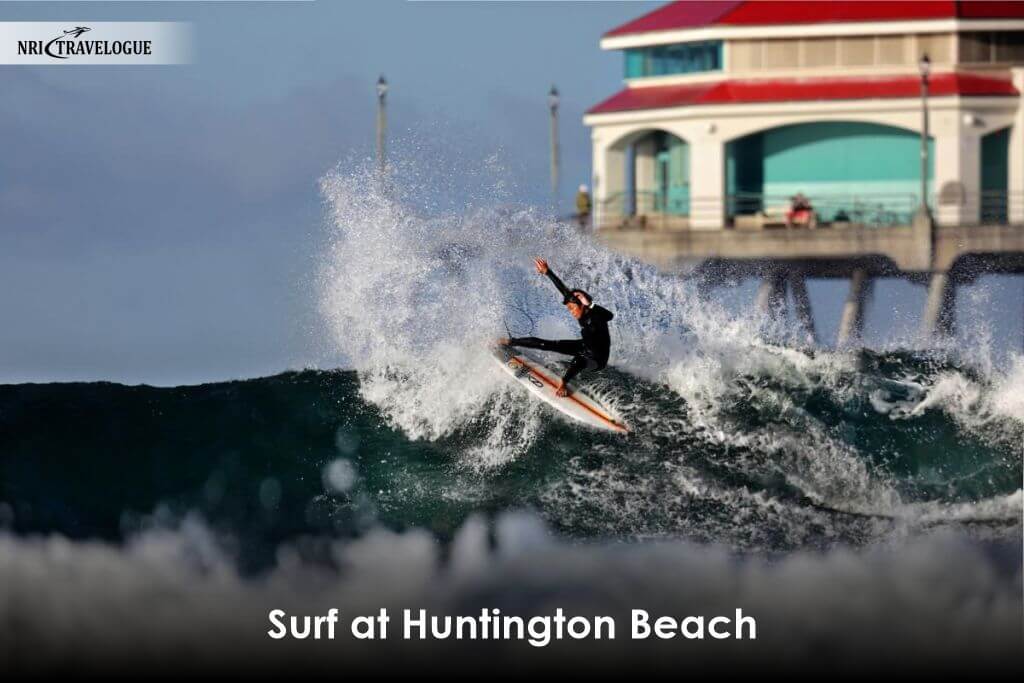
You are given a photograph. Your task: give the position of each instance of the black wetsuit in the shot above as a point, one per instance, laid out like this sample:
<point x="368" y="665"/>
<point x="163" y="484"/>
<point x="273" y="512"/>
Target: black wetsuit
<point x="588" y="353"/>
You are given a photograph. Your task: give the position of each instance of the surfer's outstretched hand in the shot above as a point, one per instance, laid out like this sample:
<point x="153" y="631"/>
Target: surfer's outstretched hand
<point x="502" y="341"/>
<point x="563" y="390"/>
<point x="542" y="266"/>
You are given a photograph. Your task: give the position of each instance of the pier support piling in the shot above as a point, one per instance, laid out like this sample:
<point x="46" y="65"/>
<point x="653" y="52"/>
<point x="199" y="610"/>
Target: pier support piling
<point x="802" y="307"/>
<point x="771" y="302"/>
<point x="851" y="325"/>
<point x="771" y="296"/>
<point x="940" y="307"/>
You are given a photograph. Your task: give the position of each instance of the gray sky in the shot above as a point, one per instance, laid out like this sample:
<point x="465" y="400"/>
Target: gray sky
<point x="158" y="224"/>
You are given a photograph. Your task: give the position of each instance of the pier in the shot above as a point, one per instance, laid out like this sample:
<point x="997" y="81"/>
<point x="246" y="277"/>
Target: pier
<point x="808" y="143"/>
<point x="938" y="257"/>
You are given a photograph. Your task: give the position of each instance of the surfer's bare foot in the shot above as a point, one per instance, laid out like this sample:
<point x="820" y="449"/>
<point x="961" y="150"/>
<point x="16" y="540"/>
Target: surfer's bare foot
<point x="562" y="390"/>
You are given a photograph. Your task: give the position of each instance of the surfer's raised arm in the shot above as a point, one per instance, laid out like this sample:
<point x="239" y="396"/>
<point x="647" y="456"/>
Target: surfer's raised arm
<point x="590" y="352"/>
<point x="543" y="269"/>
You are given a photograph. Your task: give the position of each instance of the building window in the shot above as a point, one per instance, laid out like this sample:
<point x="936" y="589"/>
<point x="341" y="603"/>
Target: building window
<point x="857" y="51"/>
<point x="781" y="54"/>
<point x="864" y="52"/>
<point x="892" y="50"/>
<point x="992" y="47"/>
<point x="938" y="47"/>
<point x="665" y="60"/>
<point x="820" y="52"/>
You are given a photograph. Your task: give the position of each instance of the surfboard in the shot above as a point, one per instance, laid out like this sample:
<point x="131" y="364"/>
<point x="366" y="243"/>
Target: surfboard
<point x="543" y="382"/>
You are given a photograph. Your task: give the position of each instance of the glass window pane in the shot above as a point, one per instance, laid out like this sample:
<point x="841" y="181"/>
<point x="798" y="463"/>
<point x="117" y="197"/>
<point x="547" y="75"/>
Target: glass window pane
<point x="819" y="52"/>
<point x="673" y="59"/>
<point x="938" y="47"/>
<point x="1009" y="46"/>
<point x="892" y="50"/>
<point x="781" y="53"/>
<point x="857" y="51"/>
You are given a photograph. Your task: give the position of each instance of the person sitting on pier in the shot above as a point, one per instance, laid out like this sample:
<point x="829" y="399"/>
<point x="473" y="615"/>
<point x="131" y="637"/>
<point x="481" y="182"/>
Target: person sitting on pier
<point x="801" y="212"/>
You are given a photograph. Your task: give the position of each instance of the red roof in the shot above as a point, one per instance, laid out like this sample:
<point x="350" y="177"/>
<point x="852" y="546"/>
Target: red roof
<point x="700" y="13"/>
<point x="798" y="90"/>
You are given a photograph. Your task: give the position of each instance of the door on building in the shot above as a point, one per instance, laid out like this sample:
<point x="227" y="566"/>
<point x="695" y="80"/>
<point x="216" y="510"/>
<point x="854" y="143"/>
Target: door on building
<point x="672" y="176"/>
<point x="995" y="153"/>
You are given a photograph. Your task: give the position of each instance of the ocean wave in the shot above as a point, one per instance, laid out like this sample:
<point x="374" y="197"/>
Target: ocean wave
<point x="172" y="599"/>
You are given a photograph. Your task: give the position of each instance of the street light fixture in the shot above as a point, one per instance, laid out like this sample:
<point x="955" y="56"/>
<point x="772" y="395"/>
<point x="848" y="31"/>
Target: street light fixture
<point x="382" y="91"/>
<point x="553" y="100"/>
<point x="924" y="65"/>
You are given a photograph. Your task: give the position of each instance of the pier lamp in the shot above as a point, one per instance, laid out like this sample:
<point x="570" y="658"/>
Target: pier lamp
<point x="382" y="91"/>
<point x="924" y="65"/>
<point x="553" y="100"/>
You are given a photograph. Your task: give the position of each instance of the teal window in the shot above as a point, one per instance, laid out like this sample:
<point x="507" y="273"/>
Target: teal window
<point x="664" y="60"/>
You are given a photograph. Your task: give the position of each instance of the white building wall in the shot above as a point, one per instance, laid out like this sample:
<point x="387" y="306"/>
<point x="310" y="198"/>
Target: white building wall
<point x="957" y="187"/>
<point x="1016" y="161"/>
<point x="707" y="180"/>
<point x="709" y="128"/>
<point x="645" y="161"/>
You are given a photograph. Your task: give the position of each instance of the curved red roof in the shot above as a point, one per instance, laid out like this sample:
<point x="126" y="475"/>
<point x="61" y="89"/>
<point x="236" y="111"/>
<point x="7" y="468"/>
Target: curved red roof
<point x="799" y="90"/>
<point x="701" y="13"/>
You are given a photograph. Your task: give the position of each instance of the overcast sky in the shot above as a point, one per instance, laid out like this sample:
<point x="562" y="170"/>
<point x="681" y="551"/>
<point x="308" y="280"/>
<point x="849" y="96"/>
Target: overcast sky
<point x="158" y="224"/>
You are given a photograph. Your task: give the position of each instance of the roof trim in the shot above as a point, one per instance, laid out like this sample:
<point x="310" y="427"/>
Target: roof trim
<point x="821" y="30"/>
<point x="802" y="90"/>
<point x="694" y="14"/>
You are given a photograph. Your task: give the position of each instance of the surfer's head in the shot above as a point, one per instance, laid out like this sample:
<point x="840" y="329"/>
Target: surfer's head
<point x="578" y="302"/>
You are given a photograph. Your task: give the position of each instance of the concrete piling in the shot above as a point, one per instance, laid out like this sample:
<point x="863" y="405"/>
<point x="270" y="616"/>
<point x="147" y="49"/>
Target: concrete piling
<point x="851" y="325"/>
<point x="802" y="307"/>
<point x="940" y="307"/>
<point x="771" y="297"/>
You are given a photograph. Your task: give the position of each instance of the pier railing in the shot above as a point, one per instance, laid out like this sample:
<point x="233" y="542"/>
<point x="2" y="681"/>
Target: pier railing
<point x="760" y="211"/>
<point x="749" y="210"/>
<point x="989" y="207"/>
<point x="644" y="211"/>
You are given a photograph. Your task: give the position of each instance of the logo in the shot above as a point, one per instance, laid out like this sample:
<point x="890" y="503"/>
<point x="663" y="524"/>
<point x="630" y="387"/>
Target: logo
<point x="96" y="42"/>
<point x="68" y="45"/>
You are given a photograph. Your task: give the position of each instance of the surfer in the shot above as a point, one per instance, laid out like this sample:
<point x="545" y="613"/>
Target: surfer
<point x="588" y="353"/>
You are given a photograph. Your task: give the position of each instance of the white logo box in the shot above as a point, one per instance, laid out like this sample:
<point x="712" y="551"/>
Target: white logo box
<point x="104" y="42"/>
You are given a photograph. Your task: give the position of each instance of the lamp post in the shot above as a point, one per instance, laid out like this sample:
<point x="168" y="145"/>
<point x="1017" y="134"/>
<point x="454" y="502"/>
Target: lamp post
<point x="925" y="67"/>
<point x="553" y="101"/>
<point x="382" y="91"/>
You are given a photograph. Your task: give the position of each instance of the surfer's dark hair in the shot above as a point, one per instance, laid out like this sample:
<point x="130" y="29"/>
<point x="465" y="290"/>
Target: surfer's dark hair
<point x="572" y="298"/>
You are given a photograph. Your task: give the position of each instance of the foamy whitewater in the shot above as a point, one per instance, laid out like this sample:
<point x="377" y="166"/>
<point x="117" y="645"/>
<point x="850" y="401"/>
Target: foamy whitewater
<point x="721" y="417"/>
<point x="857" y="498"/>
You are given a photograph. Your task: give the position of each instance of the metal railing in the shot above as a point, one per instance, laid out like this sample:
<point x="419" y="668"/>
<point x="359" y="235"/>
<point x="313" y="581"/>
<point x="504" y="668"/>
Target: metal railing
<point x="750" y="209"/>
<point x="988" y="207"/>
<point x="648" y="211"/>
<point x="756" y="211"/>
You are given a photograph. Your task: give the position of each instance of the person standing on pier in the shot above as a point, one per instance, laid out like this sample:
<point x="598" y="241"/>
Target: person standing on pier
<point x="583" y="207"/>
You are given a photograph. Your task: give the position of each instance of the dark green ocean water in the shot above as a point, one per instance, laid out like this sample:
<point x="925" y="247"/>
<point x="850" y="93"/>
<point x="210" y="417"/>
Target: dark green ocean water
<point x="302" y="455"/>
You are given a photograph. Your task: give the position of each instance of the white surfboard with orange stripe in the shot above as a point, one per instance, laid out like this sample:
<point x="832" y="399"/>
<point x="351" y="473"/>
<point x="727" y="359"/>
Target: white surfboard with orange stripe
<point x="543" y="382"/>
